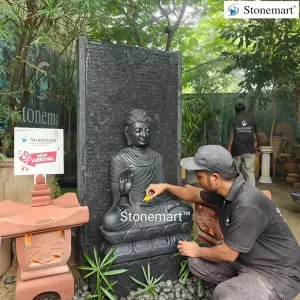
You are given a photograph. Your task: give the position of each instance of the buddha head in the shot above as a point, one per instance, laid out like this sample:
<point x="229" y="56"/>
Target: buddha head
<point x="138" y="129"/>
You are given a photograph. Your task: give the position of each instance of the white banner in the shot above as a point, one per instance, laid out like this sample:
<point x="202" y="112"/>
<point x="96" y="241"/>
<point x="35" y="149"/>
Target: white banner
<point x="261" y="9"/>
<point x="38" y="151"/>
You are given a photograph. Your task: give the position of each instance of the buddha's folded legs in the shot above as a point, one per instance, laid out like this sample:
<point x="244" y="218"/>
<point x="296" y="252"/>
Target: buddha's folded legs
<point x="185" y="212"/>
<point x="115" y="221"/>
<point x="125" y="224"/>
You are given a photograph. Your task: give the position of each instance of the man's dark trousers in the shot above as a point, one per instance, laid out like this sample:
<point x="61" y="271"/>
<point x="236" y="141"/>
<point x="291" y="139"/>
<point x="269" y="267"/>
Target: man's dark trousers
<point x="235" y="281"/>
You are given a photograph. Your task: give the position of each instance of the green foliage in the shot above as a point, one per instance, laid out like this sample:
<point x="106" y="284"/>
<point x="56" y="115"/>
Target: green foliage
<point x="27" y="30"/>
<point x="8" y="115"/>
<point x="151" y="282"/>
<point x="147" y="23"/>
<point x="197" y="111"/>
<point x="286" y="96"/>
<point x="267" y="51"/>
<point x="141" y="23"/>
<point x="2" y="157"/>
<point x="58" y="191"/>
<point x="101" y="269"/>
<point x="184" y="270"/>
<point x="203" y="64"/>
<point x="63" y="90"/>
<point x="199" y="283"/>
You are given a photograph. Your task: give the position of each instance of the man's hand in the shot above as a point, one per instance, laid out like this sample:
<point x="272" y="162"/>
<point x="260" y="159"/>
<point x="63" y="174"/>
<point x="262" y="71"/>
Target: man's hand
<point x="190" y="249"/>
<point x="155" y="190"/>
<point x="258" y="151"/>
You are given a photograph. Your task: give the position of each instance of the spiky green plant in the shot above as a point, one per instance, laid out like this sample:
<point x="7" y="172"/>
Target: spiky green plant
<point x="101" y="269"/>
<point x="151" y="282"/>
<point x="184" y="270"/>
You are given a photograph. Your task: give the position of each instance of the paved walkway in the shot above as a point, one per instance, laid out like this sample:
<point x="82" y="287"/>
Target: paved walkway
<point x="290" y="210"/>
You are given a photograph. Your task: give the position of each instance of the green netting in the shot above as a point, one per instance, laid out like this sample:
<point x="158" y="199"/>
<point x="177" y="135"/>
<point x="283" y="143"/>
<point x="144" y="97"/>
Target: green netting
<point x="217" y="126"/>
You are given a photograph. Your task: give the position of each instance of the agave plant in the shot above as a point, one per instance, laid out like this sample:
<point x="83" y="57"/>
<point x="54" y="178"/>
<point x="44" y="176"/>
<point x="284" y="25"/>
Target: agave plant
<point x="151" y="282"/>
<point x="101" y="269"/>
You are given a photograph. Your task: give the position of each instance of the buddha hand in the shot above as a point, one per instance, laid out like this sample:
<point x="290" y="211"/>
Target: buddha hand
<point x="125" y="182"/>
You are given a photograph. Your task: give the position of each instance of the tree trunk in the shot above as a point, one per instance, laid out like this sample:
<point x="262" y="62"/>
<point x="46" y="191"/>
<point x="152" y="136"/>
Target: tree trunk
<point x="169" y="41"/>
<point x="253" y="97"/>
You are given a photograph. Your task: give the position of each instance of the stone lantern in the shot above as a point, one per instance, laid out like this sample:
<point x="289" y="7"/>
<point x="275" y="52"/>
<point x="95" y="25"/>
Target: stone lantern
<point x="43" y="240"/>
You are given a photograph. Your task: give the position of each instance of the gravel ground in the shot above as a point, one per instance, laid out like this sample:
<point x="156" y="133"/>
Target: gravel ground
<point x="167" y="290"/>
<point x="181" y="289"/>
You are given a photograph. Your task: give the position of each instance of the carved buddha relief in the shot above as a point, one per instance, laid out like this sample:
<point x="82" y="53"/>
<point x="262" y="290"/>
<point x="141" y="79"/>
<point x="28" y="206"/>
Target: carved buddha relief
<point x="132" y="170"/>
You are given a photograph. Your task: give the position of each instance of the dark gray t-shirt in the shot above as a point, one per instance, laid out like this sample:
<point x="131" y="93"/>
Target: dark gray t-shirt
<point x="242" y="127"/>
<point x="253" y="225"/>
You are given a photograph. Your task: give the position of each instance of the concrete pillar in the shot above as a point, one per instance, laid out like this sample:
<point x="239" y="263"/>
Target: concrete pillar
<point x="265" y="164"/>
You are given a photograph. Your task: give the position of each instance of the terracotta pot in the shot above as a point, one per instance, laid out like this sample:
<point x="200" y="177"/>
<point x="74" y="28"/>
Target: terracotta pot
<point x="291" y="159"/>
<point x="294" y="175"/>
<point x="290" y="166"/>
<point x="291" y="181"/>
<point x="292" y="178"/>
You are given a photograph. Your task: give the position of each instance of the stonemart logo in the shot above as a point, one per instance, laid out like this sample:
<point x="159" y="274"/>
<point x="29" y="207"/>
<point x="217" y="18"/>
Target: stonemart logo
<point x="261" y="9"/>
<point x="233" y="9"/>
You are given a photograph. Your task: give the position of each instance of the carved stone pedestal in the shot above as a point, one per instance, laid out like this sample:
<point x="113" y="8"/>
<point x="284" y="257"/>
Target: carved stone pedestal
<point x="146" y="248"/>
<point x="265" y="164"/>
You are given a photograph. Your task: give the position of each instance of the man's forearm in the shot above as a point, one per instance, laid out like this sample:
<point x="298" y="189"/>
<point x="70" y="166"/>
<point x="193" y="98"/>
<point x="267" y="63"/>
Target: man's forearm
<point x="189" y="194"/>
<point x="230" y="141"/>
<point x="217" y="253"/>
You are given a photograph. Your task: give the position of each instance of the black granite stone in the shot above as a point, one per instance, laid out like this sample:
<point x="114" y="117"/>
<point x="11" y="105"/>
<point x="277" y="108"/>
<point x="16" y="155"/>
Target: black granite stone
<point x="145" y="249"/>
<point x="113" y="80"/>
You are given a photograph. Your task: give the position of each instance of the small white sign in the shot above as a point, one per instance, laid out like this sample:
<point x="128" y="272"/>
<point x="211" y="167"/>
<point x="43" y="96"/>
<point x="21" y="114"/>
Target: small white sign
<point x="38" y="151"/>
<point x="261" y="9"/>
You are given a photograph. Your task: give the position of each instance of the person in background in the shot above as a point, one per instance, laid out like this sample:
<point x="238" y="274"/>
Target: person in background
<point x="241" y="143"/>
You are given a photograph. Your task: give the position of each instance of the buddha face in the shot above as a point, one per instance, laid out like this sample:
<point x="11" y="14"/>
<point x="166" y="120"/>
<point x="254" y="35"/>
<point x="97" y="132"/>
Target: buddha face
<point x="138" y="134"/>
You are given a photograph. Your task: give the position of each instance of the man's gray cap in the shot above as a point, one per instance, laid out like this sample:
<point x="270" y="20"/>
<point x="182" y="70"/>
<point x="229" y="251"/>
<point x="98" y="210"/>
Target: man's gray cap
<point x="211" y="158"/>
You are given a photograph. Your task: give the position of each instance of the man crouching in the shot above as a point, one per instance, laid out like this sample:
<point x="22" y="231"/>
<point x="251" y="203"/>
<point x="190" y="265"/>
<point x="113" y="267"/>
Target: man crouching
<point x="260" y="257"/>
